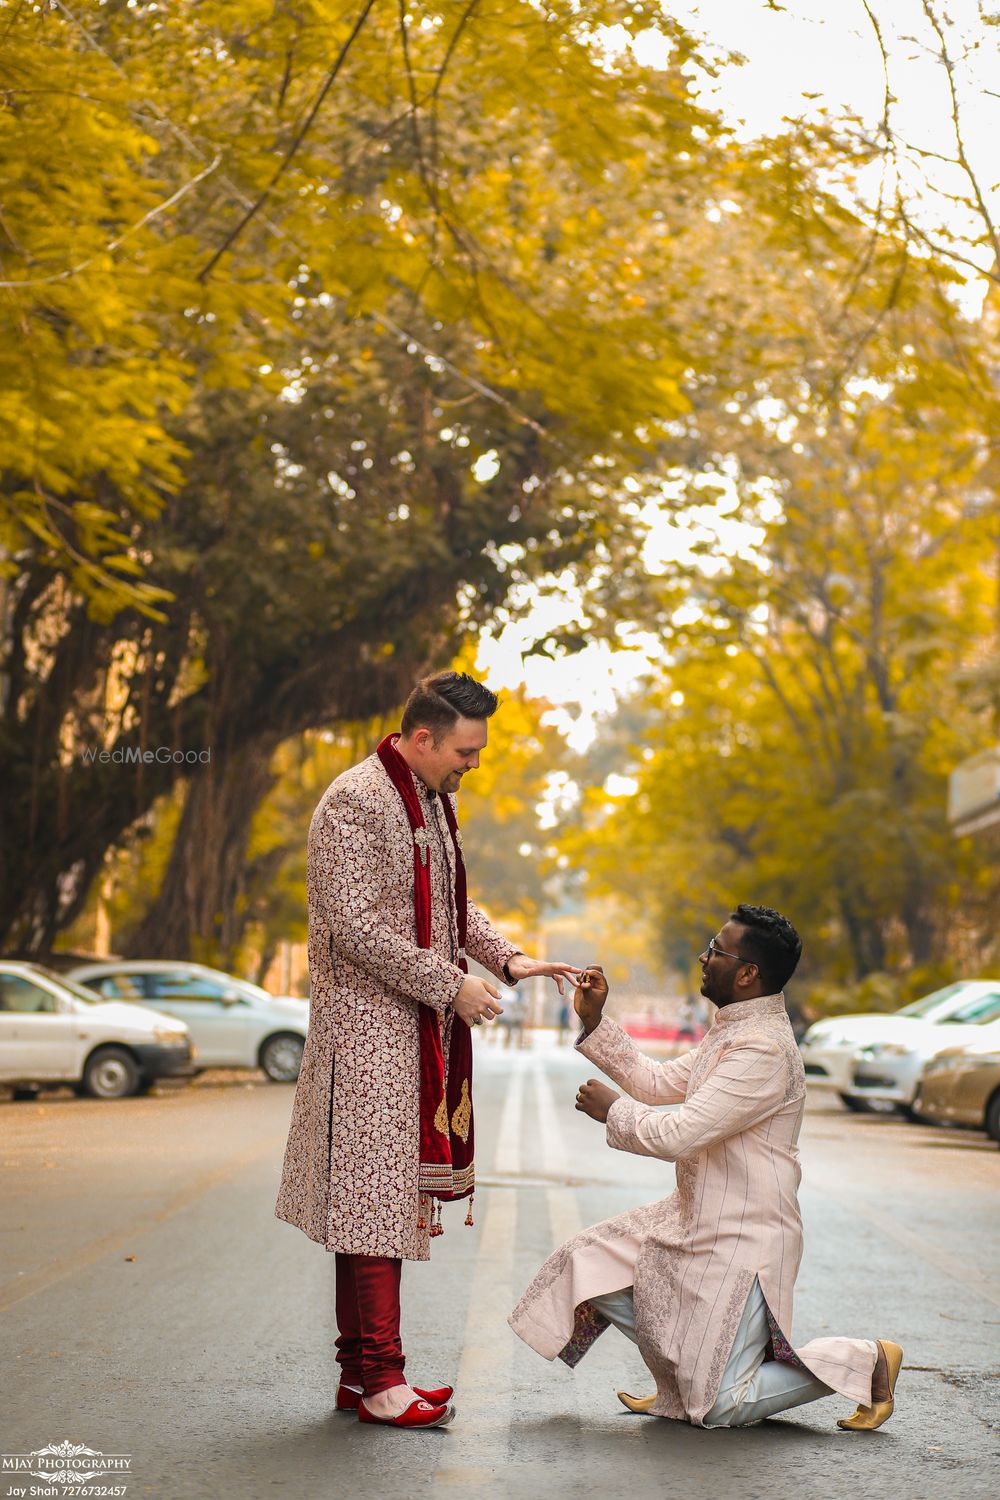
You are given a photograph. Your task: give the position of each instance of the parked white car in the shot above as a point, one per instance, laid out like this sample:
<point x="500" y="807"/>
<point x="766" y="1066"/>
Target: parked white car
<point x="233" y="1023"/>
<point x="53" y="1031"/>
<point x="889" y="1071"/>
<point x="828" y="1047"/>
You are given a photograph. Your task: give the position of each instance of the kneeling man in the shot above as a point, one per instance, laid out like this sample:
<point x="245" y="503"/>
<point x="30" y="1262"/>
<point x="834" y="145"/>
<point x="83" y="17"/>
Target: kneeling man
<point x="703" y="1280"/>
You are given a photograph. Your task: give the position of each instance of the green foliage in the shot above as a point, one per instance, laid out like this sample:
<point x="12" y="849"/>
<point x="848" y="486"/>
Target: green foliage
<point x="276" y="278"/>
<point x="507" y="852"/>
<point x="813" y="699"/>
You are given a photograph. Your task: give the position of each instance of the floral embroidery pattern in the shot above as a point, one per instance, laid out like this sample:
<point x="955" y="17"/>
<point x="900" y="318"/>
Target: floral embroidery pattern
<point x="730" y="1322"/>
<point x="462" y="1118"/>
<point x="589" y="1325"/>
<point x="780" y="1347"/>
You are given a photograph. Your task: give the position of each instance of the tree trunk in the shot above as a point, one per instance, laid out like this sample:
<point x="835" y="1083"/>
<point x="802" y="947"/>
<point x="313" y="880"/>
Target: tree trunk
<point x="198" y="911"/>
<point x="202" y="909"/>
<point x="866" y="939"/>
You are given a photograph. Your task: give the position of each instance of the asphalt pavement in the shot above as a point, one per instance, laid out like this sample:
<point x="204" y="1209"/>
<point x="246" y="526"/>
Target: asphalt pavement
<point x="154" y="1308"/>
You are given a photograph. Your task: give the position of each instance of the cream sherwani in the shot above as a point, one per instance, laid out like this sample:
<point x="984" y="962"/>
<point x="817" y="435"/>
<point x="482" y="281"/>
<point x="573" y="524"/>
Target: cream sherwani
<point x="692" y="1258"/>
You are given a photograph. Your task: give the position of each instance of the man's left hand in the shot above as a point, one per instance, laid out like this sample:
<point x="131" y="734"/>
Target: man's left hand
<point x="595" y="1099"/>
<point x="522" y="967"/>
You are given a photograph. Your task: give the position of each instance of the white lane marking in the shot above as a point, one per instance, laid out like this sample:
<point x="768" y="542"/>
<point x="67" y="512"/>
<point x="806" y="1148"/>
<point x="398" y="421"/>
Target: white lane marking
<point x="554" y="1154"/>
<point x="564" y="1216"/>
<point x="507" y="1159"/>
<point x="483" y="1391"/>
<point x="483" y="1394"/>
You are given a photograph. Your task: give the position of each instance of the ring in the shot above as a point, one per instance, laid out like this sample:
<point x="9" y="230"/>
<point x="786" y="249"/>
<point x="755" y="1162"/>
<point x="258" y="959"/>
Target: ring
<point x="477" y="1020"/>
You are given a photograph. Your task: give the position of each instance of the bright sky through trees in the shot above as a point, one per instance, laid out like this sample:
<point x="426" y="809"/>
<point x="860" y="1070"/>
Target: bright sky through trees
<point x="799" y="59"/>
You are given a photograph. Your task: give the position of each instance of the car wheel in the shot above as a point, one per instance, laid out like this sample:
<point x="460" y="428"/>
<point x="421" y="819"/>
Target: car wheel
<point x="111" y="1073"/>
<point x="857" y="1106"/>
<point x="915" y="1113"/>
<point x="992" y="1120"/>
<point x="281" y="1057"/>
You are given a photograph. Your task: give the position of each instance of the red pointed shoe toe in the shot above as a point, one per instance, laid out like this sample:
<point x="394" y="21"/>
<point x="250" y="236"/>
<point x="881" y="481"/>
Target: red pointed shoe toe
<point x="348" y="1400"/>
<point x="440" y="1396"/>
<point x="417" y="1414"/>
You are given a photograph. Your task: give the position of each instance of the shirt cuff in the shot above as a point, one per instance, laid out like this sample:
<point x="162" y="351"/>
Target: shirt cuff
<point x="506" y="968"/>
<point x="620" y="1125"/>
<point x="586" y="1038"/>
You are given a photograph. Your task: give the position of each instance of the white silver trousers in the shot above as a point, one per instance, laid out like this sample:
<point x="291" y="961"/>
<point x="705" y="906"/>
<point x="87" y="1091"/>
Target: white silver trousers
<point x="752" y="1387"/>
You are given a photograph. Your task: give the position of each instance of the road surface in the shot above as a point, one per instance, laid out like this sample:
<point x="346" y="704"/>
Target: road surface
<point x="154" y="1307"/>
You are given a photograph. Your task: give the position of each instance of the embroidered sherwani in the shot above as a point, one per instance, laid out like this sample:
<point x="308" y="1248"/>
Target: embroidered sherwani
<point x="350" y="1175"/>
<point x="692" y="1257"/>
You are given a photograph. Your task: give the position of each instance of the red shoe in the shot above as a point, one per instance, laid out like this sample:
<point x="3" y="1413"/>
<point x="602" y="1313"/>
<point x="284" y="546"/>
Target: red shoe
<point x="417" y="1414"/>
<point x="348" y="1400"/>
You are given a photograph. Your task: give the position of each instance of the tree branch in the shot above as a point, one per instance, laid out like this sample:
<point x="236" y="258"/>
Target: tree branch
<point x="297" y="140"/>
<point x="956" y="118"/>
<point x="119" y="239"/>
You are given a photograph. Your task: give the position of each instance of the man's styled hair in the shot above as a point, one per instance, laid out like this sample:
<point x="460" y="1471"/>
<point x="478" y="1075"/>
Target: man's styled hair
<point x="439" y="701"/>
<point x="771" y="942"/>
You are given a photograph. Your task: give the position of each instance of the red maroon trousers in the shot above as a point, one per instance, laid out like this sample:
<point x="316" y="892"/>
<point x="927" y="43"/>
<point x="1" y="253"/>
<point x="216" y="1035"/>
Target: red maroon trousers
<point x="369" y="1350"/>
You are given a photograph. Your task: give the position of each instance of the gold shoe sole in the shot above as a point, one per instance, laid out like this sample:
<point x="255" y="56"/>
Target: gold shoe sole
<point x="638" y="1404"/>
<point x="869" y="1418"/>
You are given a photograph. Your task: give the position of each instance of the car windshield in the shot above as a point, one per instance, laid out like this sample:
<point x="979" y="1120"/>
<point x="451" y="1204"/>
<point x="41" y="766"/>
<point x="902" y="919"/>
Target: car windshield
<point x="244" y="987"/>
<point x="938" y="1000"/>
<point x="978" y="1012"/>
<point x="78" y="990"/>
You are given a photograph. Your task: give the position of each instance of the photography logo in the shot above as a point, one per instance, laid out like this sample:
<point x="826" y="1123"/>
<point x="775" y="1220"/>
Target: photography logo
<point x="65" y="1468"/>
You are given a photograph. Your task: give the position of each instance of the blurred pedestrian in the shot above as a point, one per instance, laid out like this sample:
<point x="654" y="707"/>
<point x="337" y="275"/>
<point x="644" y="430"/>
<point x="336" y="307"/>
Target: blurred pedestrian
<point x="703" y="1280"/>
<point x="689" y="1019"/>
<point x="511" y="1022"/>
<point x="563" y="1022"/>
<point x="375" y="1147"/>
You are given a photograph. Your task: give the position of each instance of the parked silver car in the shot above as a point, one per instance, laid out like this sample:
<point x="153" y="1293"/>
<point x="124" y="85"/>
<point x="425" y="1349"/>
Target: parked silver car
<point x="53" y="1031"/>
<point x="829" y="1048"/>
<point x="233" y="1023"/>
<point x="889" y="1070"/>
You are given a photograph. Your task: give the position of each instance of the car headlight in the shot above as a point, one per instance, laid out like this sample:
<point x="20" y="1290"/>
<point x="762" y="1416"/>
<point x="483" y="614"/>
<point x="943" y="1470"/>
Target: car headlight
<point x="169" y="1038"/>
<point x="894" y="1049"/>
<point x="824" y="1039"/>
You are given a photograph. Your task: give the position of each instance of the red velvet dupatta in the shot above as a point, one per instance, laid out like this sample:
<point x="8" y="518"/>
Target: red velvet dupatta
<point x="447" y="1168"/>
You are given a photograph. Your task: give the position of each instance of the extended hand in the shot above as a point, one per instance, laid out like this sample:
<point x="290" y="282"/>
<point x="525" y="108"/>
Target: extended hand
<point x="522" y="967"/>
<point x="595" y="1099"/>
<point x="477" y="997"/>
<point x="589" y="997"/>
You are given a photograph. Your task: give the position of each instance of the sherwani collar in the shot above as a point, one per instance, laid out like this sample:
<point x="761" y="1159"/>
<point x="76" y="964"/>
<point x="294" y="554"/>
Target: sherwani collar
<point x="750" y="1010"/>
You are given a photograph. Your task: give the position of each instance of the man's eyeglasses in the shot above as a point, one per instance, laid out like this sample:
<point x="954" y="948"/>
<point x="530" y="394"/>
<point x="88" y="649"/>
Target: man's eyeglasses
<point x="713" y="947"/>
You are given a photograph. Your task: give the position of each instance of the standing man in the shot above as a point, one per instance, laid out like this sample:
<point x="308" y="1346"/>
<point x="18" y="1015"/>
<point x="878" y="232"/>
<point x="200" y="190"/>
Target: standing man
<point x="703" y="1280"/>
<point x="382" y="1125"/>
